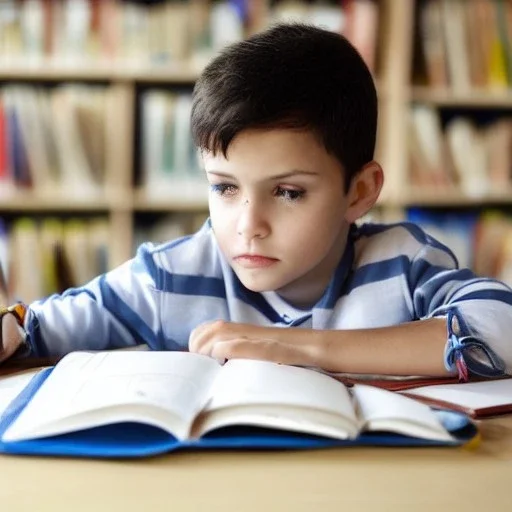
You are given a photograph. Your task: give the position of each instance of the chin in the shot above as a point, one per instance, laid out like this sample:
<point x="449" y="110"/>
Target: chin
<point x="260" y="285"/>
<point x="257" y="288"/>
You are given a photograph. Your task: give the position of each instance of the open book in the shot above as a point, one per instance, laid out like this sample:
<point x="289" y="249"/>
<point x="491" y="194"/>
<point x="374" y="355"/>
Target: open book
<point x="137" y="403"/>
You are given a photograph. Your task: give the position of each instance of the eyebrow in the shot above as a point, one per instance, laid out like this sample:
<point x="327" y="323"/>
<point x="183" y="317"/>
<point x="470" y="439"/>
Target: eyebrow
<point x="288" y="174"/>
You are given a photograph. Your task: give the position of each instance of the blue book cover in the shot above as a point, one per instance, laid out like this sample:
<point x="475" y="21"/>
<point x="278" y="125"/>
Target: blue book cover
<point x="122" y="439"/>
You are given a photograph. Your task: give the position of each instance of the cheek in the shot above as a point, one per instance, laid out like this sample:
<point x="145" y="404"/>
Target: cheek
<point x="315" y="239"/>
<point x="319" y="225"/>
<point x="217" y="212"/>
<point x="319" y="237"/>
<point x="222" y="221"/>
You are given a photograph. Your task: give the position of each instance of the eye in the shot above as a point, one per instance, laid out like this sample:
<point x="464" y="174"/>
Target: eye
<point x="289" y="194"/>
<point x="224" y="189"/>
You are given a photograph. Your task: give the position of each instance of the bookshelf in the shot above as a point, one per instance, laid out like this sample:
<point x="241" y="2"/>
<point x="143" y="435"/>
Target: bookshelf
<point x="457" y="175"/>
<point x="124" y="203"/>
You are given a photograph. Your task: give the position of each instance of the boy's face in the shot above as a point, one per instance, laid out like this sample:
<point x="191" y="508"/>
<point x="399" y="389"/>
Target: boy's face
<point x="278" y="207"/>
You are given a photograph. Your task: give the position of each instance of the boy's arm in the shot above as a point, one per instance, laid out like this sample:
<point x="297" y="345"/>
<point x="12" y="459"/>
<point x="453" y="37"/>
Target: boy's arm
<point x="461" y="324"/>
<point x="414" y="348"/>
<point x="478" y="311"/>
<point x="115" y="310"/>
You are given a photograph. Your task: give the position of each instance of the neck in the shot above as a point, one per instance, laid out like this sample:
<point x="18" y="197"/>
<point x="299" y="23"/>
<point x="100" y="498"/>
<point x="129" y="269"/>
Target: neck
<point x="307" y="290"/>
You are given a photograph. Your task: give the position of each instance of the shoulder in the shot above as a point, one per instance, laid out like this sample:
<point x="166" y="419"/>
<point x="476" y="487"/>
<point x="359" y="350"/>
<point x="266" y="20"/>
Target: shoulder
<point x="193" y="255"/>
<point x="378" y="242"/>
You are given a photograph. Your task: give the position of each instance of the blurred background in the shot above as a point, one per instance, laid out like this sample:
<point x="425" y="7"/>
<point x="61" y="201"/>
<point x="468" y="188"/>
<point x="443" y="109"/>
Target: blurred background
<point x="95" y="149"/>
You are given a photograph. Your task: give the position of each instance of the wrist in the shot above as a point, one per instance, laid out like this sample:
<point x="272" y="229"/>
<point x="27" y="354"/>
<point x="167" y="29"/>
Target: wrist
<point x="314" y="346"/>
<point x="328" y="351"/>
<point x="13" y="336"/>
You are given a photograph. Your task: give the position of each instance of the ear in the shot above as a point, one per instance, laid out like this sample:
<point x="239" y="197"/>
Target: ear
<point x="364" y="191"/>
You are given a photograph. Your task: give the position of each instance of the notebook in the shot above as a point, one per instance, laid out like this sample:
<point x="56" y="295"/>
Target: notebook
<point x="477" y="399"/>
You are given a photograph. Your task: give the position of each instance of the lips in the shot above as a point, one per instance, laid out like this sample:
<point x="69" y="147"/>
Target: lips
<point x="254" y="261"/>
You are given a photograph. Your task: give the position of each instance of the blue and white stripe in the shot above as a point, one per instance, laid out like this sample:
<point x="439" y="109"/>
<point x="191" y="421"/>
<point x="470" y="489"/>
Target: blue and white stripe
<point x="389" y="274"/>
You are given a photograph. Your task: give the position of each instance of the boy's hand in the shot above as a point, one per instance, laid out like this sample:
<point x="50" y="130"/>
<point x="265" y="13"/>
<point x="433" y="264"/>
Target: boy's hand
<point x="11" y="337"/>
<point x="226" y="340"/>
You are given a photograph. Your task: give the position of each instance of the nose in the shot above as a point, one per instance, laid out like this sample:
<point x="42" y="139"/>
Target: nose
<point x="252" y="220"/>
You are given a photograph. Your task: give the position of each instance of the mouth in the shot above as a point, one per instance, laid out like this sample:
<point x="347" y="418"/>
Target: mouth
<point x="254" y="261"/>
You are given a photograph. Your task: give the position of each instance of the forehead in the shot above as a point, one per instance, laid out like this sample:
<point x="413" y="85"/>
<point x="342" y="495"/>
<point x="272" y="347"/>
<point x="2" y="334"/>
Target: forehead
<point x="273" y="150"/>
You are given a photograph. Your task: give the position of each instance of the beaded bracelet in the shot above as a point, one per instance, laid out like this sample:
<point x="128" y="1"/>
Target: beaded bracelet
<point x="454" y="356"/>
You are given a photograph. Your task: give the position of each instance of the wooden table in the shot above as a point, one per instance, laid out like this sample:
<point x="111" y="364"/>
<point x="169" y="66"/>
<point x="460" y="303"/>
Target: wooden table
<point x="345" y="479"/>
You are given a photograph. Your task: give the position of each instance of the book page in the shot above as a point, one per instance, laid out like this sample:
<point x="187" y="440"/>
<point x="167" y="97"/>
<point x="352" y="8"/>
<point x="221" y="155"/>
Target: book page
<point x="164" y="389"/>
<point x="266" y="394"/>
<point x="382" y="410"/>
<point x="11" y="386"/>
<point x="472" y="395"/>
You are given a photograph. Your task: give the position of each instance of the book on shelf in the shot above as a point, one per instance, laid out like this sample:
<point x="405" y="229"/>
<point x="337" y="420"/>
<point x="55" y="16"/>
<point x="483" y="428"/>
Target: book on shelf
<point x="50" y="235"/>
<point x="4" y="263"/>
<point x="465" y="44"/>
<point x="16" y="148"/>
<point x="26" y="275"/>
<point x="52" y="139"/>
<point x="455" y="37"/>
<point x="52" y="255"/>
<point x="132" y="403"/>
<point x="427" y="148"/>
<point x="71" y="33"/>
<point x="361" y="27"/>
<point x="357" y="20"/>
<point x="498" y="141"/>
<point x="492" y="235"/>
<point x="431" y="34"/>
<point x="479" y="20"/>
<point x="169" y="160"/>
<point x="79" y="175"/>
<point x="469" y="154"/>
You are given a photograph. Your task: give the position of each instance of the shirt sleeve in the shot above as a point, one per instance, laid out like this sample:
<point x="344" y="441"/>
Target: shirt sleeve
<point x="478" y="311"/>
<point x="117" y="309"/>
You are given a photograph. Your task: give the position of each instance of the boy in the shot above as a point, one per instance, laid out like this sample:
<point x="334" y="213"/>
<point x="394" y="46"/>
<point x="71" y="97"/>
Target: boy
<point x="286" y="124"/>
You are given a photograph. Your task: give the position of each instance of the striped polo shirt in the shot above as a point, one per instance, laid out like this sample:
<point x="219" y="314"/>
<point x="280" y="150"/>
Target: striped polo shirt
<point x="389" y="274"/>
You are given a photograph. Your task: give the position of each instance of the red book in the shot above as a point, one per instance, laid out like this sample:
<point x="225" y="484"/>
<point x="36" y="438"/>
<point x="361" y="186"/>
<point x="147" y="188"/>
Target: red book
<point x="4" y="164"/>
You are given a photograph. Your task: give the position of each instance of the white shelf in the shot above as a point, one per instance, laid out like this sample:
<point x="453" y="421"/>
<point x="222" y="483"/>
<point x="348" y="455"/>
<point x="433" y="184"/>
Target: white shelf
<point x="455" y="198"/>
<point x="28" y="201"/>
<point x="473" y="99"/>
<point x="179" y="72"/>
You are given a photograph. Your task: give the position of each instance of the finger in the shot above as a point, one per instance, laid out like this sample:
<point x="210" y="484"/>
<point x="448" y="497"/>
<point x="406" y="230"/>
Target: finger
<point x="203" y="335"/>
<point x="265" y="350"/>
